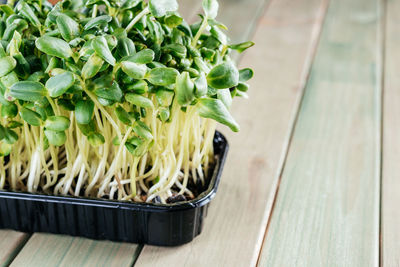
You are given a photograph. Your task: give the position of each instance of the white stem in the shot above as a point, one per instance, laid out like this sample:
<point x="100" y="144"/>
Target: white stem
<point x="137" y="18"/>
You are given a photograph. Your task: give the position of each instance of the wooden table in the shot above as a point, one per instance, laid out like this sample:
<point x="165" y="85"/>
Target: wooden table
<point x="311" y="179"/>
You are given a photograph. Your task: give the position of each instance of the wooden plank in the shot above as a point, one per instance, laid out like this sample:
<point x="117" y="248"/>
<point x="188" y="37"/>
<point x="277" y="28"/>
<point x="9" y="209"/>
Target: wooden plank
<point x="391" y="142"/>
<point x="10" y="243"/>
<point x="50" y="250"/>
<point x="189" y="9"/>
<point x="327" y="208"/>
<point x="237" y="219"/>
<point x="241" y="17"/>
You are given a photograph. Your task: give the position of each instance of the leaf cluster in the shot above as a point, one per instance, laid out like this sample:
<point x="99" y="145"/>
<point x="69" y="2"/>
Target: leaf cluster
<point x="60" y="64"/>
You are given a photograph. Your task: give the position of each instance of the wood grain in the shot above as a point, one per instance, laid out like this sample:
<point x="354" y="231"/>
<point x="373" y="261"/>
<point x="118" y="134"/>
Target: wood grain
<point x="50" y="250"/>
<point x="327" y="209"/>
<point x="10" y="243"/>
<point x="237" y="219"/>
<point x="391" y="140"/>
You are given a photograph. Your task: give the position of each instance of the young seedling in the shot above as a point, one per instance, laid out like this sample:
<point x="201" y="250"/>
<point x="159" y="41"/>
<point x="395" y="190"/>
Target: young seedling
<point x="113" y="98"/>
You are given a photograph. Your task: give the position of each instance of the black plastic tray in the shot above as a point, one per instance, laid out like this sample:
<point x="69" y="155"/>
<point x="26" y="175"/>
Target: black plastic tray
<point x="146" y="223"/>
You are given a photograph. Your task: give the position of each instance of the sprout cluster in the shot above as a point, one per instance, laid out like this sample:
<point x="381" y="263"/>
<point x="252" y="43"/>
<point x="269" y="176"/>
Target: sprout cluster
<point x="112" y="98"/>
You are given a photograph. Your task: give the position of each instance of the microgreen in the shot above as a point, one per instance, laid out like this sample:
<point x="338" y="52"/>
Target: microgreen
<point x="116" y="98"/>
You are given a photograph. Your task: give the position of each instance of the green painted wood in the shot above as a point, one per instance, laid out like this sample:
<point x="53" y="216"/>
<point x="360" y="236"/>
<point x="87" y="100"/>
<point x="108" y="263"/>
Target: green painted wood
<point x="233" y="232"/>
<point x="391" y="140"/>
<point x="10" y="244"/>
<point x="50" y="250"/>
<point x="327" y="208"/>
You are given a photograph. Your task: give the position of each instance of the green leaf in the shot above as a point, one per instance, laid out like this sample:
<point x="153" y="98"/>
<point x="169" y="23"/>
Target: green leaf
<point x="57" y="123"/>
<point x="159" y="8"/>
<point x="210" y="8"/>
<point x="142" y="130"/>
<point x="213" y="22"/>
<point x="54" y="47"/>
<point x="201" y="64"/>
<point x="14" y="45"/>
<point x="36" y="76"/>
<point x="7" y="64"/>
<point x="134" y="70"/>
<point x="200" y="85"/>
<point x="84" y="111"/>
<point x="123" y="116"/>
<point x="125" y="47"/>
<point x="99" y="44"/>
<point x="214" y="109"/>
<point x="111" y="41"/>
<point x="26" y="11"/>
<point x="242" y="46"/>
<point x="245" y="74"/>
<point x="14" y="124"/>
<point x="10" y="136"/>
<point x="5" y="149"/>
<point x="8" y="81"/>
<point x="184" y="89"/>
<point x="86" y="51"/>
<point x="224" y="75"/>
<point x="100" y="20"/>
<point x="9" y="111"/>
<point x="164" y="97"/>
<point x="243" y="87"/>
<point x="55" y="138"/>
<point x="173" y="20"/>
<point x="16" y="25"/>
<point x="136" y="146"/>
<point x="54" y="62"/>
<point x="162" y="76"/>
<point x="28" y="91"/>
<point x="207" y="53"/>
<point x="7" y="9"/>
<point x="139" y="100"/>
<point x="164" y="114"/>
<point x="73" y="68"/>
<point x="2" y="132"/>
<point x="92" y="66"/>
<point x="128" y="4"/>
<point x="139" y="87"/>
<point x="87" y="129"/>
<point x="30" y="116"/>
<point x="225" y="96"/>
<point x="68" y="27"/>
<point x="59" y="84"/>
<point x="112" y="93"/>
<point x="96" y="139"/>
<point x="144" y="56"/>
<point x="66" y="104"/>
<point x="217" y="33"/>
<point x="176" y="50"/>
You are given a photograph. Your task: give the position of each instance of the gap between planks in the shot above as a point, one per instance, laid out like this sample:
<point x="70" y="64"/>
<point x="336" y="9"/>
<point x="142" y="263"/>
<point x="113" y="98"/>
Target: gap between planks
<point x="390" y="214"/>
<point x="11" y="243"/>
<point x="306" y="73"/>
<point x="286" y="37"/>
